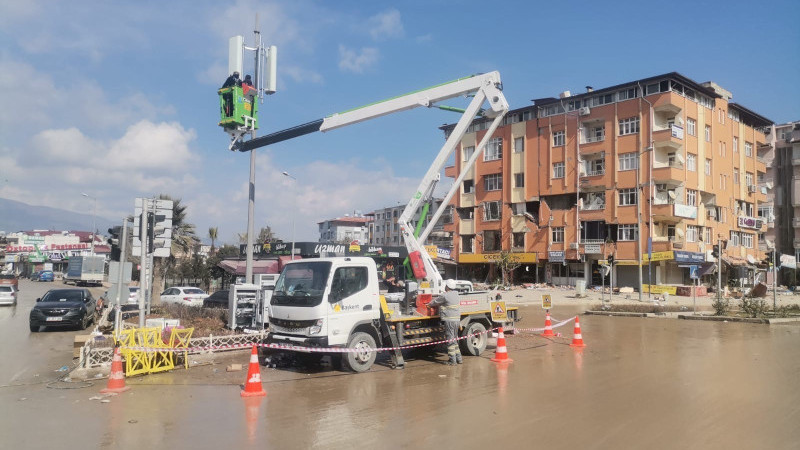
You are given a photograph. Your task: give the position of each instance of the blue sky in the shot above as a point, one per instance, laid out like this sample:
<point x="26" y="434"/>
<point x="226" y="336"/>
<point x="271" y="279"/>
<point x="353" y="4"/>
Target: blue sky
<point x="118" y="99"/>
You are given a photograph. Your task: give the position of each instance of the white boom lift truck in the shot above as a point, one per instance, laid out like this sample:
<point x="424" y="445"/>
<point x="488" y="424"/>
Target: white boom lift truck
<point x="335" y="302"/>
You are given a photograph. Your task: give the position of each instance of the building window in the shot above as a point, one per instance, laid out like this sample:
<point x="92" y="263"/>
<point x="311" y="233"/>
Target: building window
<point x="747" y="240"/>
<point x="723" y="181"/>
<point x="519" y="145"/>
<point x="558" y="234"/>
<point x="708" y="133"/>
<point x="707" y="232"/>
<point x="691" y="197"/>
<point x="691" y="162"/>
<point x="765" y="212"/>
<point x="708" y="166"/>
<point x="519" y="180"/>
<point x="627" y="233"/>
<point x="518" y="240"/>
<point x="467" y="242"/>
<point x="691" y="127"/>
<point x="735" y="176"/>
<point x="558" y="138"/>
<point x="491" y="211"/>
<point x="748" y="178"/>
<point x="628" y="161"/>
<point x="692" y="233"/>
<point x="626" y="94"/>
<point x="735" y="144"/>
<point x="628" y="126"/>
<point x="469" y="186"/>
<point x="468" y="151"/>
<point x="494" y="150"/>
<point x="734" y="240"/>
<point x="627" y="197"/>
<point x="493" y="182"/>
<point x="558" y="170"/>
<point x="492" y="241"/>
<point x="748" y="149"/>
<point x="595" y="167"/>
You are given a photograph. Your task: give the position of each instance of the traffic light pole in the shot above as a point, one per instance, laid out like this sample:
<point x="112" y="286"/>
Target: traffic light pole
<point x="719" y="270"/>
<point x="774" y="280"/>
<point x="121" y="278"/>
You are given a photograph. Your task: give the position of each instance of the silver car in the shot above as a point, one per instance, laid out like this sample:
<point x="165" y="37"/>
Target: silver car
<point x="8" y="295"/>
<point x="184" y="295"/>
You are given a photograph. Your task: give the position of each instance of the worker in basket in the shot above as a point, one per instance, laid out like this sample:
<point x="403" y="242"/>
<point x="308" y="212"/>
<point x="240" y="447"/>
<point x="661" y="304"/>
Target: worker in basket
<point x="450" y="315"/>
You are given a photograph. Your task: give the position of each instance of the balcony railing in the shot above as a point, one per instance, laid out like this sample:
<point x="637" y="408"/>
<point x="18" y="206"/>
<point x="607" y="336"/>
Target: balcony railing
<point x="594" y="173"/>
<point x="593" y="241"/>
<point x="592" y="139"/>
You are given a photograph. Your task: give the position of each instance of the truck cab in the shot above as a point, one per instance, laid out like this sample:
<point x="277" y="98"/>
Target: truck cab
<point x="320" y="302"/>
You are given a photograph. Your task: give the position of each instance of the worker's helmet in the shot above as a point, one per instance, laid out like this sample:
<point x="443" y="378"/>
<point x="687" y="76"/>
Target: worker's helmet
<point x="450" y="284"/>
<point x="236" y="74"/>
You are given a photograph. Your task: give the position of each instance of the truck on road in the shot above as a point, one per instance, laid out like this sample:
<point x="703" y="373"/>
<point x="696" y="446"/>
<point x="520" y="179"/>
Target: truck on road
<point x="85" y="270"/>
<point x="335" y="302"/>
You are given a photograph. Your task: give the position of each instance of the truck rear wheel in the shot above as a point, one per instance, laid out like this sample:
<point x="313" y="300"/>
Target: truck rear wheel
<point x="360" y="358"/>
<point x="474" y="345"/>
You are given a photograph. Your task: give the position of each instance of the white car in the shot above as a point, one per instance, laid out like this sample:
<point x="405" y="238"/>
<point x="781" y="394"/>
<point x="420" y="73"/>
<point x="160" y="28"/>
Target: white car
<point x="184" y="295"/>
<point x="8" y="295"/>
<point x="133" y="297"/>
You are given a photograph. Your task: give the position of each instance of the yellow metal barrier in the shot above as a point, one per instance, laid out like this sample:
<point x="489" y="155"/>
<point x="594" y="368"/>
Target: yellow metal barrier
<point x="145" y="351"/>
<point x="179" y="338"/>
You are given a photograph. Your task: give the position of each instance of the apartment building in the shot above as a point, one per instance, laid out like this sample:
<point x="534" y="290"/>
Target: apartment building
<point x="781" y="154"/>
<point x="652" y="172"/>
<point x="384" y="229"/>
<point x="344" y="230"/>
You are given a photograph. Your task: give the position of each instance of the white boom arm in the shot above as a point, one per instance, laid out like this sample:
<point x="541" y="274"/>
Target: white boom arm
<point x="485" y="88"/>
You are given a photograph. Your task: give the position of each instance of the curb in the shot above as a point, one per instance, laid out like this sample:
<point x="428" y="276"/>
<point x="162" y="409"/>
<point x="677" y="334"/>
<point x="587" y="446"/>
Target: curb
<point x="616" y="313"/>
<point x="773" y="321"/>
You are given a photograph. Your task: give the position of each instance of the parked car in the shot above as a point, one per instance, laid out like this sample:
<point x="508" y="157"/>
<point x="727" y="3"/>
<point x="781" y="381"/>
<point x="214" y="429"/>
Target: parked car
<point x="218" y="299"/>
<point x="8" y="295"/>
<point x="184" y="295"/>
<point x="34" y="276"/>
<point x="63" y="308"/>
<point x="46" y="275"/>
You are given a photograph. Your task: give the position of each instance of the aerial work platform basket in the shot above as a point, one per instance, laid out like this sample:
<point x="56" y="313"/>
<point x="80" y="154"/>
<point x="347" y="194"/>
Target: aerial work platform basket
<point x="238" y="108"/>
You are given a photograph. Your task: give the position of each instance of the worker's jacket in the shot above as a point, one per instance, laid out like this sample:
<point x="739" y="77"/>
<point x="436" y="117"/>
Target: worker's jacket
<point x="448" y="306"/>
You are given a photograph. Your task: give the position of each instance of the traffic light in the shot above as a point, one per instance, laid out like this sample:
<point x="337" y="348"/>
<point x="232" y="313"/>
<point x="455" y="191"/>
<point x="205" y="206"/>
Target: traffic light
<point x="769" y="259"/>
<point x="113" y="241"/>
<point x="610" y="260"/>
<point x="715" y="251"/>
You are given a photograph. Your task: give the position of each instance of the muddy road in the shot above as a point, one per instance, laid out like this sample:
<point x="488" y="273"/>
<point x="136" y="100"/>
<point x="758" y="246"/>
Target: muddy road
<point x="658" y="383"/>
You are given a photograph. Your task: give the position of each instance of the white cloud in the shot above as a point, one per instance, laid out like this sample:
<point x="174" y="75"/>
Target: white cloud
<point x="352" y="61"/>
<point x="386" y="25"/>
<point x="300" y="75"/>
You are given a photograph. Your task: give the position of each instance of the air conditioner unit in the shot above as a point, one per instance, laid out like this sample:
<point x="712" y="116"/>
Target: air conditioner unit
<point x="584" y="111"/>
<point x="573" y="245"/>
<point x="751" y="188"/>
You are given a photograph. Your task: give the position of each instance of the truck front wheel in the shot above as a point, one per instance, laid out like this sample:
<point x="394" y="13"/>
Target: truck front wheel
<point x="360" y="357"/>
<point x="475" y="344"/>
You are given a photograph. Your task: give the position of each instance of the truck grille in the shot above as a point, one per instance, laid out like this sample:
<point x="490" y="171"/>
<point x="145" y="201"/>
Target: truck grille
<point x="292" y="323"/>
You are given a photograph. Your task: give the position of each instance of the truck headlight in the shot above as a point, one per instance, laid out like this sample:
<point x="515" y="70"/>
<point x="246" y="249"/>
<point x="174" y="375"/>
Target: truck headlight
<point x="316" y="328"/>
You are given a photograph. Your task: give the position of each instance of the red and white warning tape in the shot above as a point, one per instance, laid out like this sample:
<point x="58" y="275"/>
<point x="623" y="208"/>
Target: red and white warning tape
<point x="559" y="323"/>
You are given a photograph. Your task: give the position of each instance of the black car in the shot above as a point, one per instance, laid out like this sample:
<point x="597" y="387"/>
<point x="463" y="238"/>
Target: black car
<point x="63" y="308"/>
<point x="218" y="299"/>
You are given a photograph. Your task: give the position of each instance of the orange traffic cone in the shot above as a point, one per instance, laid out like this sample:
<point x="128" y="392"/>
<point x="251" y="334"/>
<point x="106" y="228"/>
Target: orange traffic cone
<point x="548" y="326"/>
<point x="116" y="379"/>
<point x="501" y="353"/>
<point x="577" y="339"/>
<point x="252" y="387"/>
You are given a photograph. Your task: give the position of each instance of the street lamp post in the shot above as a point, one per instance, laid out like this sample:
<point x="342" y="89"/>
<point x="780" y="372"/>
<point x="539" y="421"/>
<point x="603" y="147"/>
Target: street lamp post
<point x="295" y="180"/>
<point x="94" y="217"/>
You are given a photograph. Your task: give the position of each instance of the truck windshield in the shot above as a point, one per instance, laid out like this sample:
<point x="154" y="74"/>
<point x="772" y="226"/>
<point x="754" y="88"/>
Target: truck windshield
<point x="302" y="284"/>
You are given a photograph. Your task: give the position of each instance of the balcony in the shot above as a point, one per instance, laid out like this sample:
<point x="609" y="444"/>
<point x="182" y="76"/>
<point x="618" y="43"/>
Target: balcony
<point x="671" y="136"/>
<point x="450" y="172"/>
<point x="669" y="174"/>
<point x="665" y="244"/>
<point x="796" y="222"/>
<point x="466" y="227"/>
<point x="467" y="200"/>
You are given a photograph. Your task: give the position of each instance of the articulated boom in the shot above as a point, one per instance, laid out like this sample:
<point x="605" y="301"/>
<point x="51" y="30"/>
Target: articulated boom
<point x="485" y="88"/>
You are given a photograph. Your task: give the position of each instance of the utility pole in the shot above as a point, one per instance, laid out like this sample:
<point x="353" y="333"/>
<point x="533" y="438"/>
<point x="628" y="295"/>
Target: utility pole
<point x="144" y="282"/>
<point x="121" y="278"/>
<point x="719" y="270"/>
<point x="774" y="280"/>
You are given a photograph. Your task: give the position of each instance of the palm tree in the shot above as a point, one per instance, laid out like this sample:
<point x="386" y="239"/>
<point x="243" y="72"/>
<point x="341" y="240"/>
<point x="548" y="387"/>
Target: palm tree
<point x="212" y="233"/>
<point x="184" y="241"/>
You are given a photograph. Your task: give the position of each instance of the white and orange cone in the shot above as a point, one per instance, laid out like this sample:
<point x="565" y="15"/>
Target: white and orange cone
<point x="548" y="326"/>
<point x="501" y="353"/>
<point x="116" y="379"/>
<point x="577" y="339"/>
<point x="252" y="387"/>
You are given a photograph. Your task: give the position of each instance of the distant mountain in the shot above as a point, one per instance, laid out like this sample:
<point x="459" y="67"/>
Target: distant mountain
<point x="18" y="216"/>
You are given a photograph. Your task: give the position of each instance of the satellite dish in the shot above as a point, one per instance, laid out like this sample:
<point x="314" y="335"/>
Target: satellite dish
<point x="529" y="216"/>
<point x="679" y="158"/>
<point x="769" y="243"/>
<point x="679" y="232"/>
<point x="769" y="185"/>
<point x="750" y="259"/>
<point x="671" y="194"/>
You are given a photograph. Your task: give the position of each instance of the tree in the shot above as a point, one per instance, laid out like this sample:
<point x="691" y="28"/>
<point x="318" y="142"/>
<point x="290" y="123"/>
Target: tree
<point x="212" y="233"/>
<point x="184" y="241"/>
<point x="507" y="262"/>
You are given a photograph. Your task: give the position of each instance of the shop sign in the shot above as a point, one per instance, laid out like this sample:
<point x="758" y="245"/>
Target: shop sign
<point x="432" y="251"/>
<point x="12" y="258"/>
<point x="36" y="258"/>
<point x="689" y="212"/>
<point x="490" y="257"/>
<point x="659" y="256"/>
<point x="750" y="222"/>
<point x="555" y="257"/>
<point x="444" y="253"/>
<point x="56" y="257"/>
<point x="659" y="289"/>
<point x="593" y="249"/>
<point x="689" y="257"/>
<point x="32" y="248"/>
